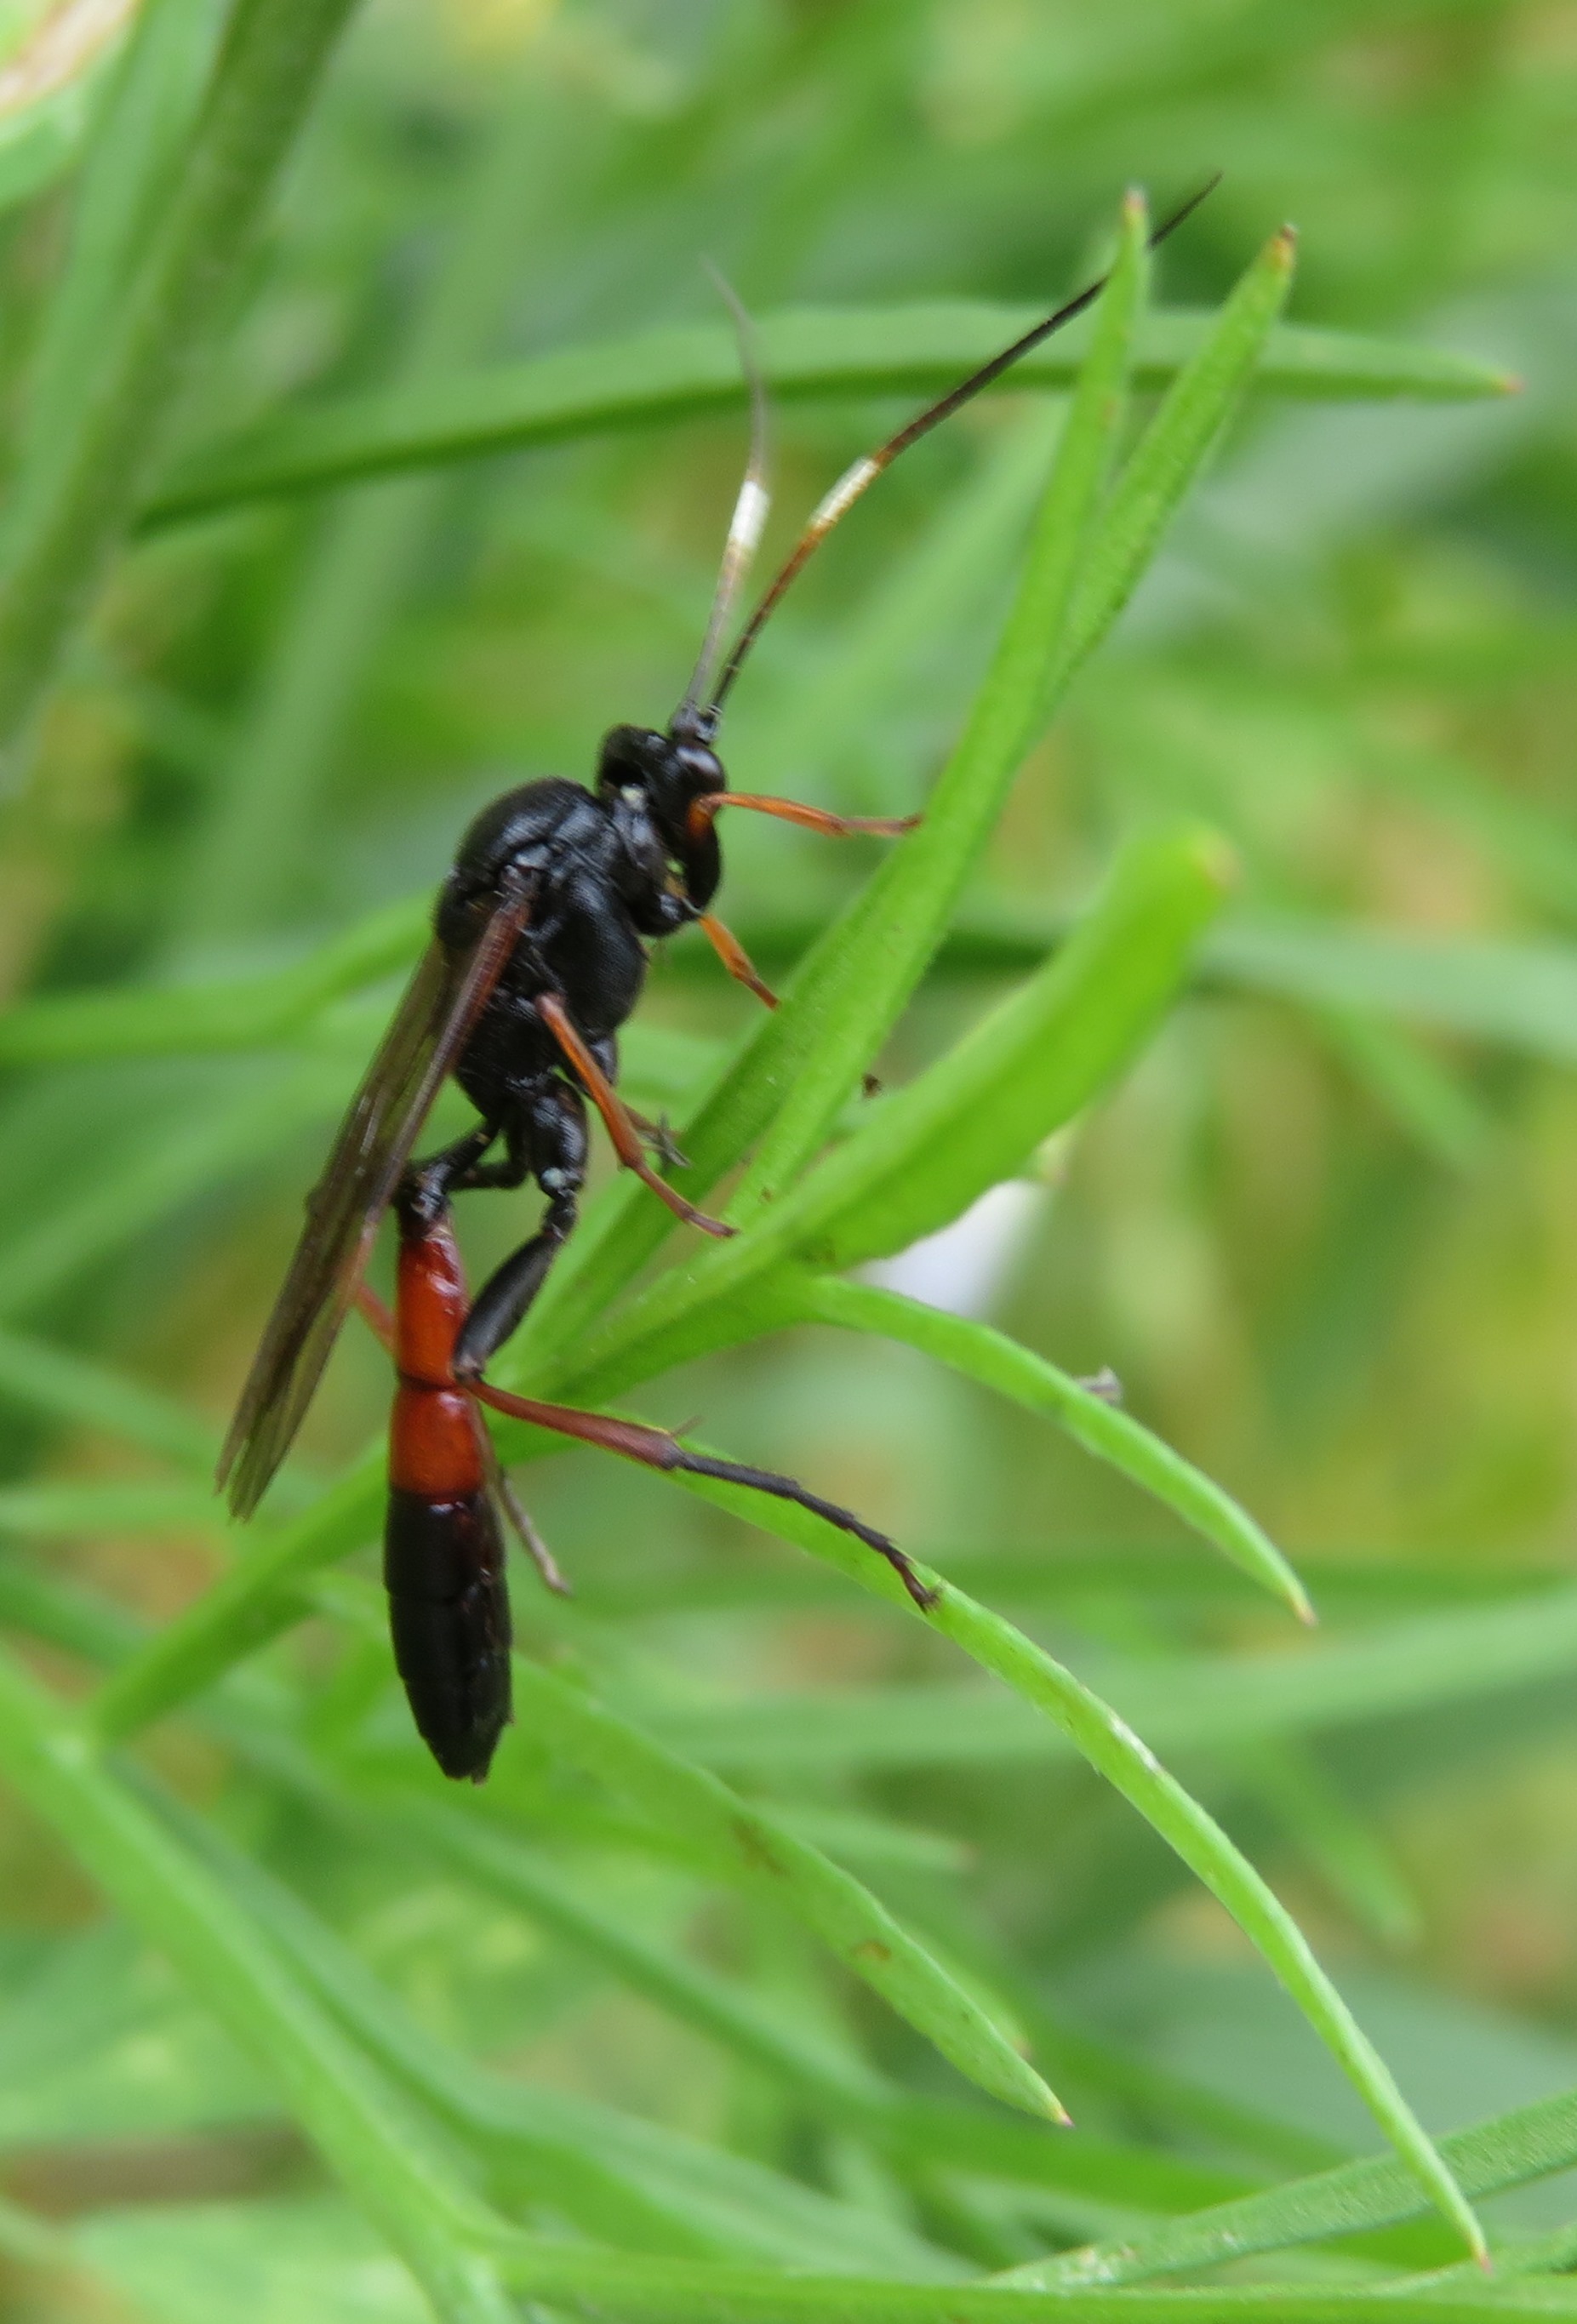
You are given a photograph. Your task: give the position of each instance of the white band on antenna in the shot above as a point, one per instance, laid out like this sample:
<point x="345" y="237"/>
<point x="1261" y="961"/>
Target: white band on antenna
<point x="843" y="494"/>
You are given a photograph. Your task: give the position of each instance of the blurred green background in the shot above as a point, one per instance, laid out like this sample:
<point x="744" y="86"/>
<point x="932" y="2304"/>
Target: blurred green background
<point x="1325" y="1233"/>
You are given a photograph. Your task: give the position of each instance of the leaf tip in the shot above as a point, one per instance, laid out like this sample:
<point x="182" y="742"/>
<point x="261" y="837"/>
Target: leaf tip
<point x="1282" y="249"/>
<point x="1303" y="1606"/>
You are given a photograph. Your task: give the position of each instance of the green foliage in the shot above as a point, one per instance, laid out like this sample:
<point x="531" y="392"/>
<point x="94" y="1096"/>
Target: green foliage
<point x="368" y="432"/>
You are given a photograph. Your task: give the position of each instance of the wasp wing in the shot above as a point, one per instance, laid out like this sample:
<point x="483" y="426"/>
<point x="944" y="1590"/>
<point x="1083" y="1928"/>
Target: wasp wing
<point x="439" y="1007"/>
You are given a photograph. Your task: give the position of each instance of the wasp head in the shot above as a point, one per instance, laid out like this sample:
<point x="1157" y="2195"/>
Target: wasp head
<point x="672" y="772"/>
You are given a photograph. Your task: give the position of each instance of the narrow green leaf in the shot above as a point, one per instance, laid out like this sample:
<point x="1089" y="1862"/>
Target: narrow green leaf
<point x="797" y="1068"/>
<point x="306" y="1005"/>
<point x="230" y="1013"/>
<point x="1555" y="2254"/>
<point x="849" y="1835"/>
<point x="254" y="1602"/>
<point x="1511" y="2149"/>
<point x="1522" y="995"/>
<point x="1430" y="1101"/>
<point x="55" y="63"/>
<point x="177" y="1158"/>
<point x="258" y="1598"/>
<point x="1109" y="1745"/>
<point x="1059" y="1574"/>
<point x="142" y="127"/>
<point x="272" y="2257"/>
<point x="672" y="2292"/>
<point x="662" y="376"/>
<point x="43" y="1607"/>
<point x="1211" y="1702"/>
<point x="747" y="1842"/>
<point x="68" y="511"/>
<point x="968" y="1121"/>
<point x="1102" y="1428"/>
<point x="894" y="928"/>
<point x="38" y="1378"/>
<point x="1177" y="442"/>
<point x="257" y="840"/>
<point x="133" y="1507"/>
<point x="717" y="2006"/>
<point x="976" y="1115"/>
<point x="366" y="2133"/>
<point x="527" y="2124"/>
<point x="1519" y="995"/>
<point x="918" y="2134"/>
<point x="616" y="2177"/>
<point x="1407" y="1666"/>
<point x="1340" y="1844"/>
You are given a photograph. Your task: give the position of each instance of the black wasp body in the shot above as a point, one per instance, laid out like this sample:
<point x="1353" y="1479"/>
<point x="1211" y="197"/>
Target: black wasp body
<point x="605" y="871"/>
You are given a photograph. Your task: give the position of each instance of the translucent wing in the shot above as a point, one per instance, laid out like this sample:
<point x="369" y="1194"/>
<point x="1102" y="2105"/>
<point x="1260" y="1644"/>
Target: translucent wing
<point x="439" y="1007"/>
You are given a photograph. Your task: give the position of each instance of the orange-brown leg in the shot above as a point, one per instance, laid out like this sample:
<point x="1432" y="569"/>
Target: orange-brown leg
<point x="377" y="1316"/>
<point x="735" y="959"/>
<point x="615" y="1113"/>
<point x="812" y="818"/>
<point x="654" y="1448"/>
<point x="547" y="1566"/>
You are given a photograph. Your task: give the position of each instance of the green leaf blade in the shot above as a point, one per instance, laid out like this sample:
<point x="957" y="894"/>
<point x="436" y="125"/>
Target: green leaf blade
<point x="1111" y="1747"/>
<point x="1103" y="1429"/>
<point x="1176" y="446"/>
<point x="662" y="377"/>
<point x="753" y="1846"/>
<point x="964" y="1125"/>
<point x="370" y="2137"/>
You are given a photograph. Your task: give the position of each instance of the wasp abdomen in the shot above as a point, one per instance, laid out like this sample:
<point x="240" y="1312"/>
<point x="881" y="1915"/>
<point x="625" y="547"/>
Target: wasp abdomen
<point x="448" y="1614"/>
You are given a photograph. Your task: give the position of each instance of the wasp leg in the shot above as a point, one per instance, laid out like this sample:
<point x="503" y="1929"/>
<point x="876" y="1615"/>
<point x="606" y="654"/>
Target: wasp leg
<point x="735" y="959"/>
<point x="615" y="1114"/>
<point x="429" y="1185"/>
<point x="810" y="819"/>
<point x="654" y="1448"/>
<point x="550" y="1138"/>
<point x="659" y="1138"/>
<point x="377" y="1315"/>
<point x="548" y="1567"/>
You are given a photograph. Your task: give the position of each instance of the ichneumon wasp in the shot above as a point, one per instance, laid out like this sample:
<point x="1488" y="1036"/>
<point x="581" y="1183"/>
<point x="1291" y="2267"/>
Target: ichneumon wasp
<point x="538" y="956"/>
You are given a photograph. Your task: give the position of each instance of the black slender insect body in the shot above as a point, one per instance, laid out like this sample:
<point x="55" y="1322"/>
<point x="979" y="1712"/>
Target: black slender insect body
<point x="538" y="957"/>
<point x="606" y="871"/>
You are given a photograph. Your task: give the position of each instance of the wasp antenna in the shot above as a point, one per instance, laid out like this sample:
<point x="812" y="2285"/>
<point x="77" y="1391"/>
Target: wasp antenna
<point x="857" y="480"/>
<point x="749" y="509"/>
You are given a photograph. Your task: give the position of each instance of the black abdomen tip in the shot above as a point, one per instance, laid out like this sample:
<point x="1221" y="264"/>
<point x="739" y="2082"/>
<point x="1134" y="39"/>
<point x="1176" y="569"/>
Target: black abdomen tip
<point x="448" y="1614"/>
